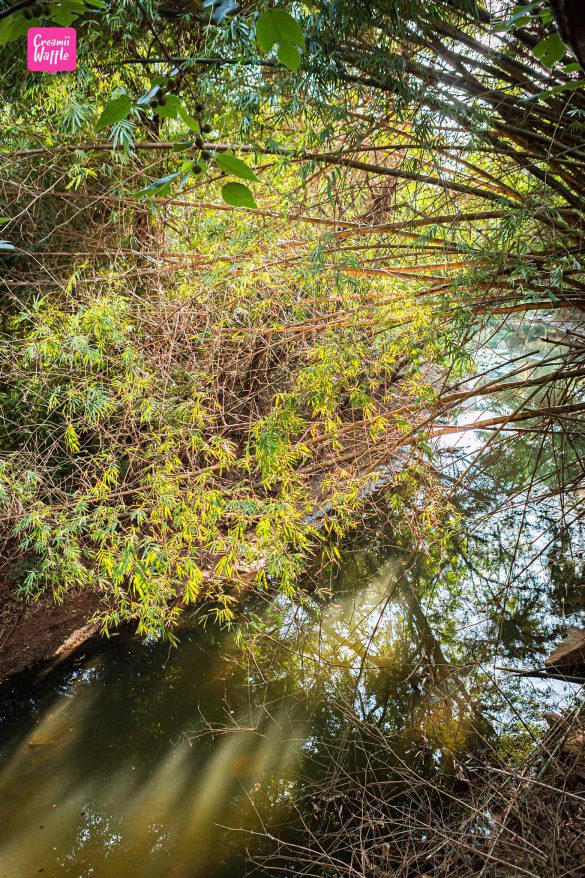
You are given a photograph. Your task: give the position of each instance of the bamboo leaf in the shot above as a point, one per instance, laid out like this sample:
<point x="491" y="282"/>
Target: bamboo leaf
<point x="162" y="186"/>
<point x="220" y="8"/>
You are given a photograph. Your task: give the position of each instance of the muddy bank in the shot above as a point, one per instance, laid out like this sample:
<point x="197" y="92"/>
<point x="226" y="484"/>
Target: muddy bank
<point x="42" y="633"/>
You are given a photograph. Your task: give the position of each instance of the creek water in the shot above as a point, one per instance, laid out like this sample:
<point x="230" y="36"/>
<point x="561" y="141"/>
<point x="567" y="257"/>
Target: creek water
<point x="140" y="760"/>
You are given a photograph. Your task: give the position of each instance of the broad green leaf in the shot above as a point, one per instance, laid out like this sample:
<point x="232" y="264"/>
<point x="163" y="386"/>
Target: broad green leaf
<point x="15" y="26"/>
<point x="189" y="121"/>
<point x="6" y="28"/>
<point x="114" y="111"/>
<point x="550" y="50"/>
<point x="76" y="6"/>
<point x="290" y="56"/>
<point x="277" y="26"/>
<point x="232" y="165"/>
<point x="64" y="17"/>
<point x="519" y="11"/>
<point x="238" y="195"/>
<point x="171" y="107"/>
<point x="508" y="25"/>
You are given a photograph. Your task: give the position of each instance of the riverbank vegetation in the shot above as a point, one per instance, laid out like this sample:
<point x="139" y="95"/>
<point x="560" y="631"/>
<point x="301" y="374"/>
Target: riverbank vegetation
<point x="252" y="260"/>
<point x="198" y="395"/>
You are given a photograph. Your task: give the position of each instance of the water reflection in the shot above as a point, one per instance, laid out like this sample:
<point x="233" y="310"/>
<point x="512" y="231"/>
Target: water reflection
<point x="142" y="756"/>
<point x="133" y="763"/>
<point x="145" y="761"/>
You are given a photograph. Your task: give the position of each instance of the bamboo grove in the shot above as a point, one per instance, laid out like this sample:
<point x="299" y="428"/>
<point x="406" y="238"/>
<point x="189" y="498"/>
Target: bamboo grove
<point x="199" y="397"/>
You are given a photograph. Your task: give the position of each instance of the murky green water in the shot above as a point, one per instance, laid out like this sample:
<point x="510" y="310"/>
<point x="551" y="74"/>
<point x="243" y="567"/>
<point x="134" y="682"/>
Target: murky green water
<point x="145" y="761"/>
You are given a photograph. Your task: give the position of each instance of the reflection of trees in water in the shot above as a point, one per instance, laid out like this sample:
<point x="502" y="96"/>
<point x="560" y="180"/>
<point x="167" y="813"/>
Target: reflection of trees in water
<point x="142" y="763"/>
<point x="567" y="577"/>
<point x="421" y="720"/>
<point x="382" y="700"/>
<point x="422" y="748"/>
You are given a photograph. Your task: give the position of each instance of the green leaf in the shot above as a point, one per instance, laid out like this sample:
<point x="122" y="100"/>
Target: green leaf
<point x="232" y="165"/>
<point x="145" y="99"/>
<point x="520" y="17"/>
<point x="189" y="121"/>
<point x="550" y="50"/>
<point x="290" y="56"/>
<point x="162" y="186"/>
<point x="171" y="107"/>
<point x="64" y="17"/>
<point x="6" y="29"/>
<point x="76" y="6"/>
<point x="277" y="26"/>
<point x="114" y="111"/>
<point x="559" y="89"/>
<point x="238" y="195"/>
<point x="221" y="8"/>
<point x="15" y="26"/>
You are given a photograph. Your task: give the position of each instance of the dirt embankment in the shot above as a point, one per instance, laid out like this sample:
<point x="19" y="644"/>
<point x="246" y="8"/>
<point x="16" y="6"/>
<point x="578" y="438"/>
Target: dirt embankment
<point x="41" y="633"/>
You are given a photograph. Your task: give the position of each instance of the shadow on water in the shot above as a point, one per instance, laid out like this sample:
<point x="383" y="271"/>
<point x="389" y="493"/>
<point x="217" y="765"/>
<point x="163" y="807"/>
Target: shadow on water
<point x="154" y="762"/>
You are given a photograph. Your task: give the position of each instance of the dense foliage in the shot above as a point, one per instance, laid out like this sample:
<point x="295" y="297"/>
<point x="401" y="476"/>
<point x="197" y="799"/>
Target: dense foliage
<point x="196" y="396"/>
